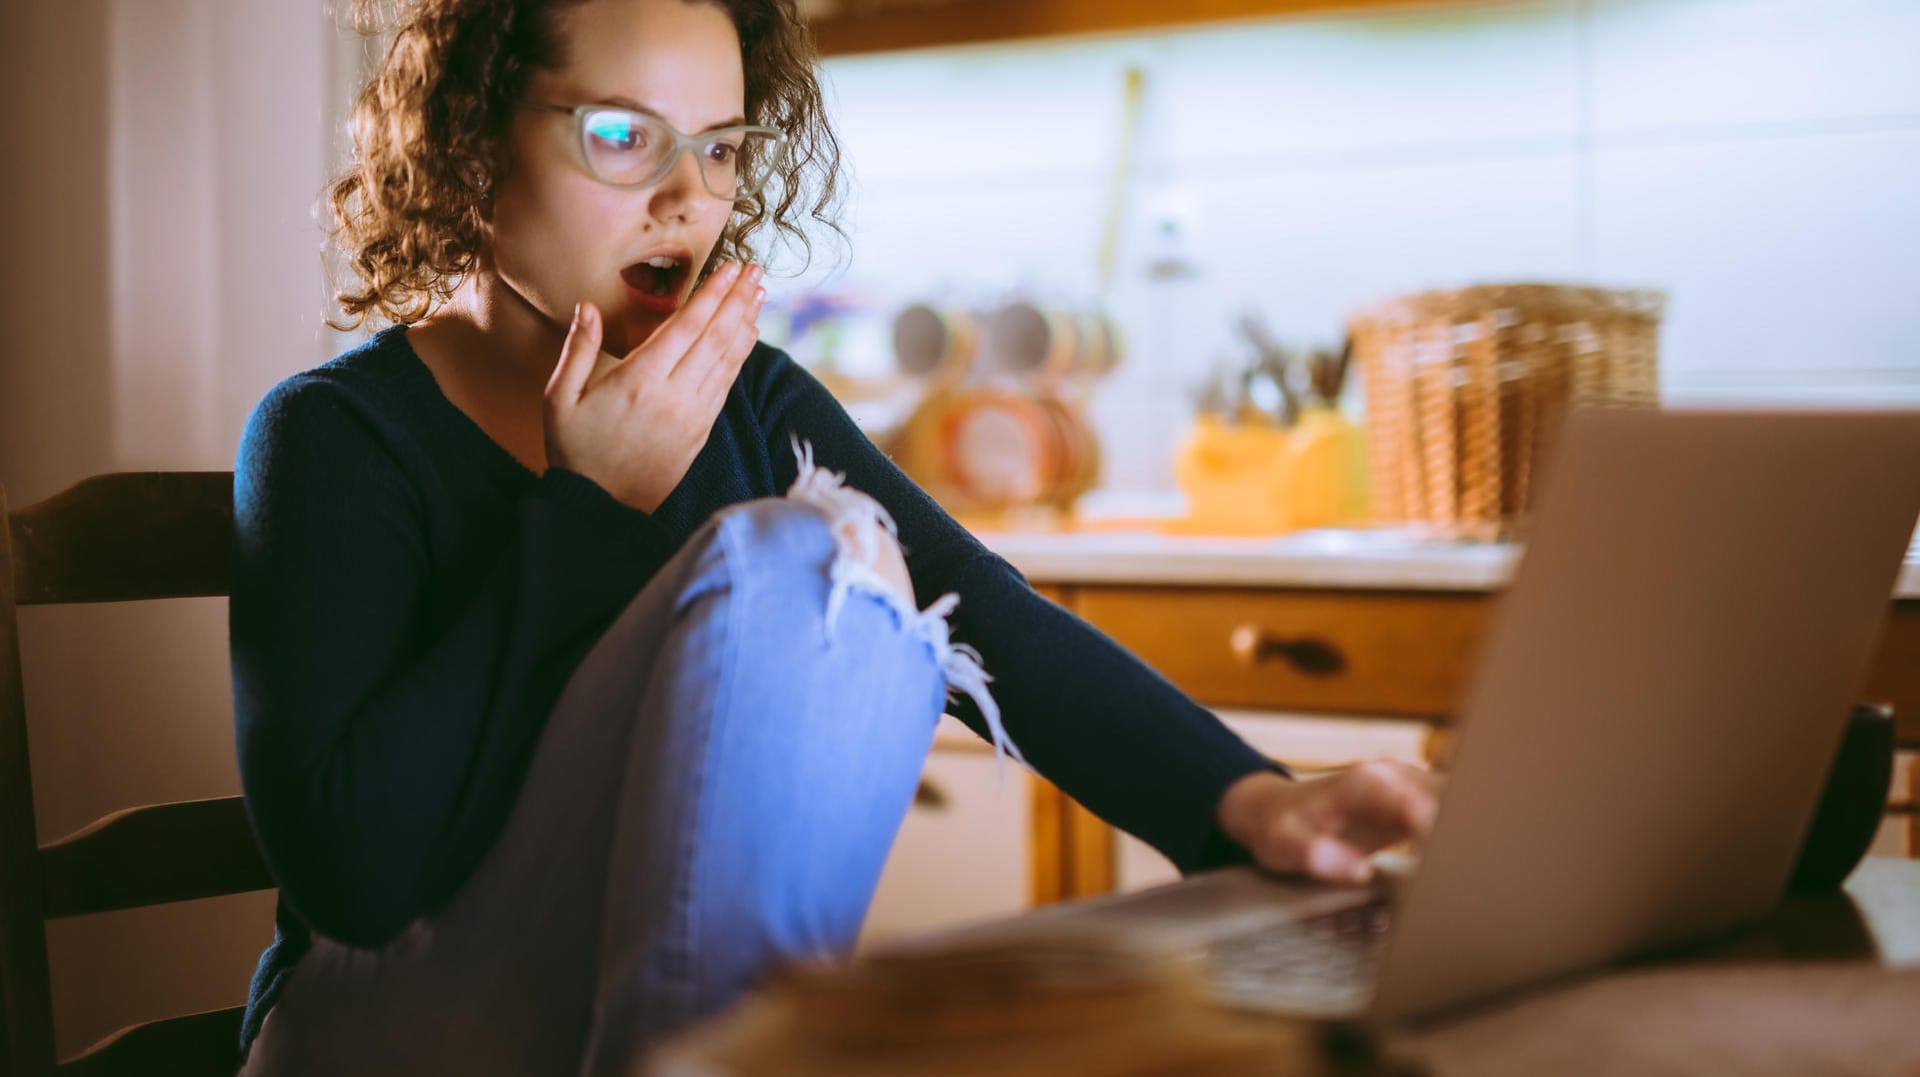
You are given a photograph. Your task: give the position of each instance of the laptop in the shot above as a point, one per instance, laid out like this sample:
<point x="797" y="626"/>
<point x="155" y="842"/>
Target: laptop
<point x="1656" y="706"/>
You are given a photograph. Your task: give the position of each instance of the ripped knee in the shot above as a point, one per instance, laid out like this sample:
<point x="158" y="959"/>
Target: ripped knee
<point x="880" y="551"/>
<point x="870" y="559"/>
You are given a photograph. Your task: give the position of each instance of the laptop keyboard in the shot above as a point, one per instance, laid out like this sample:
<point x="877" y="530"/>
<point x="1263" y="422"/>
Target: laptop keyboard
<point x="1322" y="965"/>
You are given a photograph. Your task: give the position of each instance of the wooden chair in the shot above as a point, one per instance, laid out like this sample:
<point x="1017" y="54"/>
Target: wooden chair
<point x="111" y="538"/>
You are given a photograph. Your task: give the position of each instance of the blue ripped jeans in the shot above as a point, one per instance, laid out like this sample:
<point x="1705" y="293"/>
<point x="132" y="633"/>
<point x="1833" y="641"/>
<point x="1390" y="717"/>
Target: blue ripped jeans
<point x="714" y="793"/>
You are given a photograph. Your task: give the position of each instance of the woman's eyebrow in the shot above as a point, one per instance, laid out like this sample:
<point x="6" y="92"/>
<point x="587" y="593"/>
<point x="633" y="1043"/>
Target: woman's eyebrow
<point x="630" y="103"/>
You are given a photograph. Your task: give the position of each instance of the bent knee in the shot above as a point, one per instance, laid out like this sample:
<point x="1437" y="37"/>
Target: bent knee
<point x="876" y="548"/>
<point x="859" y="538"/>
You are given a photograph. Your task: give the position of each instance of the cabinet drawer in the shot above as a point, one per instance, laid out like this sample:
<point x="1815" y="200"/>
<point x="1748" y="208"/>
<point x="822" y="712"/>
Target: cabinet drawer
<point x="1334" y="652"/>
<point x="965" y="851"/>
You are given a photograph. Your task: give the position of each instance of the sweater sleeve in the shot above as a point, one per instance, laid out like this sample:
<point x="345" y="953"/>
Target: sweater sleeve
<point x="382" y="739"/>
<point x="1087" y="714"/>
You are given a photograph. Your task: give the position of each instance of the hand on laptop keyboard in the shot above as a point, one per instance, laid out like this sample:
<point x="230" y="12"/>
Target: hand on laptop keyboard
<point x="1327" y="827"/>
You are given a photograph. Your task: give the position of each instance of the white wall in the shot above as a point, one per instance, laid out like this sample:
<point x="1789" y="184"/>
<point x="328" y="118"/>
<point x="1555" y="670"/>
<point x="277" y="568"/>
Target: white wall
<point x="161" y="270"/>
<point x="1756" y="158"/>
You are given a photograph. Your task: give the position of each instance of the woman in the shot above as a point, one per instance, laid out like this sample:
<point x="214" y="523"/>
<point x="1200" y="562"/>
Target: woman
<point x="557" y="725"/>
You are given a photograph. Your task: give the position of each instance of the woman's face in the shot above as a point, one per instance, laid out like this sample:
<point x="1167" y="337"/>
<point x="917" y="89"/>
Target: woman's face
<point x="561" y="236"/>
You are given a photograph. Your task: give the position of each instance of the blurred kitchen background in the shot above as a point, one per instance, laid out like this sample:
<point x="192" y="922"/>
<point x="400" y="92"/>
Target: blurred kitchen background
<point x="1755" y="160"/>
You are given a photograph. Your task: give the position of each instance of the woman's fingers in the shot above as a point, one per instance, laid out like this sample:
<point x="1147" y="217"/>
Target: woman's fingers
<point x="684" y="327"/>
<point x="1334" y="824"/>
<point x="1337" y="861"/>
<point x="720" y="374"/>
<point x="1308" y="841"/>
<point x="638" y="438"/>
<point x="577" y="355"/>
<point x="1384" y="802"/>
<point x="740" y="307"/>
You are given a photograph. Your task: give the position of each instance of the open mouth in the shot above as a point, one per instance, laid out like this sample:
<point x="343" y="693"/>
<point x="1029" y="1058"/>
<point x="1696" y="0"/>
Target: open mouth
<point x="659" y="277"/>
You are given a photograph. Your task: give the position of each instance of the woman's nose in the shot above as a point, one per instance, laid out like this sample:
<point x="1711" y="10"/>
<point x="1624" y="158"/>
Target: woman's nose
<point x="677" y="192"/>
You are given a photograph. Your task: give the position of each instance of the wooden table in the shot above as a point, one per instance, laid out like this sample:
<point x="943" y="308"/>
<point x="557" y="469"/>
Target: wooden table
<point x="1827" y="985"/>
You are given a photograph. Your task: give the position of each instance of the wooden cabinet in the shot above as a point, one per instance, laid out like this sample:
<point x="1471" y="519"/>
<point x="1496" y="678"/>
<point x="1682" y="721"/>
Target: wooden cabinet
<point x="1374" y="656"/>
<point x="983" y="840"/>
<point x="1905" y="810"/>
<point x="1381" y="658"/>
<point x="1373" y="653"/>
<point x="1369" y="654"/>
<point x="965" y="850"/>
<point x="1896" y="671"/>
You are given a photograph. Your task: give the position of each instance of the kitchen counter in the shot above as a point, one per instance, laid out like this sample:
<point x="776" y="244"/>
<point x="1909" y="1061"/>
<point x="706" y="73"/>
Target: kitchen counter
<point x="1399" y="616"/>
<point x="1331" y="559"/>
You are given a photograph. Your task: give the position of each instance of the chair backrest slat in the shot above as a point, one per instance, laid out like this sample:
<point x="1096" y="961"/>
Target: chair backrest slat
<point x="196" y="1043"/>
<point x="147" y="856"/>
<point x="26" y="998"/>
<point x="111" y="538"/>
<point x="116" y="538"/>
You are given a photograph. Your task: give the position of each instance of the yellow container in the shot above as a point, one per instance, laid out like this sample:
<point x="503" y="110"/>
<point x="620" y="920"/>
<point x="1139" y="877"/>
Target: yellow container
<point x="1322" y="473"/>
<point x="1256" y="479"/>
<point x="1227" y="474"/>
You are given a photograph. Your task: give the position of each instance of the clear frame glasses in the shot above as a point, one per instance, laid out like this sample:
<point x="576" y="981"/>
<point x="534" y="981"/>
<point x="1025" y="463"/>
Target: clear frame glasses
<point x="630" y="150"/>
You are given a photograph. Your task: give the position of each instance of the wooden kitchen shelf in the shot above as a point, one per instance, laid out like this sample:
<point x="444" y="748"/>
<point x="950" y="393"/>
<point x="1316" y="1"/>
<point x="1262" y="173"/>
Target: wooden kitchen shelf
<point x="844" y="27"/>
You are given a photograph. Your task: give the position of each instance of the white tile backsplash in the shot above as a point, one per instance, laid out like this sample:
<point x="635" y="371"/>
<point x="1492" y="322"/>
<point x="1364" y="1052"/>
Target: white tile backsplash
<point x="948" y="118"/>
<point x="1662" y="65"/>
<point x="1757" y="158"/>
<point x="1783" y="256"/>
<point x="978" y="239"/>
<point x="1396" y="85"/>
<point x="1307" y="246"/>
<point x="1140" y="433"/>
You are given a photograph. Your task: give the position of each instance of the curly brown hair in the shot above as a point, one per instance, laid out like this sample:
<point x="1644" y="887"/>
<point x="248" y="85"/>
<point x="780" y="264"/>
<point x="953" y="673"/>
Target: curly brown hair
<point x="410" y="215"/>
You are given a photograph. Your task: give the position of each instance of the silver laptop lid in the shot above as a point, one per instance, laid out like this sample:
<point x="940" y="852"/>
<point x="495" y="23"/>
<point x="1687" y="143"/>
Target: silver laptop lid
<point x="1660" y="694"/>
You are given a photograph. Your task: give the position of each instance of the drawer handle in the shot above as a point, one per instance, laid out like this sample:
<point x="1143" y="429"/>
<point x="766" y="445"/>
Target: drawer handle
<point x="1313" y="657"/>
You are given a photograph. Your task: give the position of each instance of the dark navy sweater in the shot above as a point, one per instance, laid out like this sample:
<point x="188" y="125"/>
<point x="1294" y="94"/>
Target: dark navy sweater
<point x="409" y="600"/>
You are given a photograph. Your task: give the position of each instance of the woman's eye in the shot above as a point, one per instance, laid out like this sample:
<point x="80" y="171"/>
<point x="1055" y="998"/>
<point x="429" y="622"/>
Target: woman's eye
<point x="620" y="136"/>
<point x="722" y="152"/>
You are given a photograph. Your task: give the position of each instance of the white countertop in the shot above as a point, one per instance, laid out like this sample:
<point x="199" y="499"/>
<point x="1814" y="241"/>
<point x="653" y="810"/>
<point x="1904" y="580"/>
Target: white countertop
<point x="1371" y="560"/>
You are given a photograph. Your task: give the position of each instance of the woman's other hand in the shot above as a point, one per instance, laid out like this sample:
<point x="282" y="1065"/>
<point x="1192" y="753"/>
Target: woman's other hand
<point x="636" y="430"/>
<point x="1327" y="827"/>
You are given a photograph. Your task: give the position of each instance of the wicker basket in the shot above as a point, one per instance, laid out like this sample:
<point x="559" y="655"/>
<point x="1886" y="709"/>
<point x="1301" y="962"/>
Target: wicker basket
<point x="1464" y="388"/>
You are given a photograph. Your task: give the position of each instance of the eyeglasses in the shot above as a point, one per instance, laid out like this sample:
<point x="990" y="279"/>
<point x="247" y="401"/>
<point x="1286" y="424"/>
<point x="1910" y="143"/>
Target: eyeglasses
<point x="630" y="150"/>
